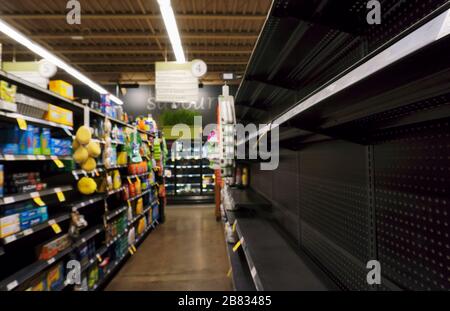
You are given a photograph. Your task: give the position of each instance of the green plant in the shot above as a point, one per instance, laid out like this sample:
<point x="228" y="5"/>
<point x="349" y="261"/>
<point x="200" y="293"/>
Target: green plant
<point x="181" y="116"/>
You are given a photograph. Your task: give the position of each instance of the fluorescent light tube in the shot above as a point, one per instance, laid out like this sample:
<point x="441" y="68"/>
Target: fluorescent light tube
<point x="172" y="29"/>
<point x="39" y="50"/>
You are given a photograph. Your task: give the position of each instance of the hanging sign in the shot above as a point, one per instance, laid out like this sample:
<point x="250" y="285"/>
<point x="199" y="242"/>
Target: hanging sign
<point x="176" y="82"/>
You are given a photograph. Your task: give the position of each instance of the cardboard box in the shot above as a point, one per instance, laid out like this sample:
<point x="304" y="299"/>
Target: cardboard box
<point x="33" y="217"/>
<point x="52" y="248"/>
<point x="9" y="225"/>
<point x="59" y="115"/>
<point x="62" y="88"/>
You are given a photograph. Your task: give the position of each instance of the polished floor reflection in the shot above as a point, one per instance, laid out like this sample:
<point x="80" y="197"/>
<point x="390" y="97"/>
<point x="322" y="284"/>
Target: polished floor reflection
<point x="187" y="253"/>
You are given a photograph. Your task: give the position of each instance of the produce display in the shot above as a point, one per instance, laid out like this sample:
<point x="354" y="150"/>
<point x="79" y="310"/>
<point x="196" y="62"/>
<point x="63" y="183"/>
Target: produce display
<point x="86" y="150"/>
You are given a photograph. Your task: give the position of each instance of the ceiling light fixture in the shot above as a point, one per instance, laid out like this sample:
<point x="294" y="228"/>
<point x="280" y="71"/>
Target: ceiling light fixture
<point x="172" y="29"/>
<point x="39" y="50"/>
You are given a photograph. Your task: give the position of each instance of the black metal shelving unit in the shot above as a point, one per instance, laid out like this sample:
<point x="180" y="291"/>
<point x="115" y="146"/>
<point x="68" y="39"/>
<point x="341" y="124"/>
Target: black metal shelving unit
<point x="17" y="251"/>
<point x="191" y="180"/>
<point x="363" y="114"/>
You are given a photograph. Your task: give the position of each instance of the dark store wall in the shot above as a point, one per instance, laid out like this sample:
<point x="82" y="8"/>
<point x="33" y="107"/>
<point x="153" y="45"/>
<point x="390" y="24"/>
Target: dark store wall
<point x="141" y="101"/>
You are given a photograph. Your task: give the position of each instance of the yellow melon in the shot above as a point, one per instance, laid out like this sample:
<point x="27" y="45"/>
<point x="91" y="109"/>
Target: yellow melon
<point x="89" y="165"/>
<point x="84" y="135"/>
<point x="94" y="149"/>
<point x="87" y="185"/>
<point x="81" y="155"/>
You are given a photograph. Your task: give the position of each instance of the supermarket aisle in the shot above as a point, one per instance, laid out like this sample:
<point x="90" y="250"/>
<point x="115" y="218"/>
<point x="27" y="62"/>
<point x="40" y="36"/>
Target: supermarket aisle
<point x="187" y="253"/>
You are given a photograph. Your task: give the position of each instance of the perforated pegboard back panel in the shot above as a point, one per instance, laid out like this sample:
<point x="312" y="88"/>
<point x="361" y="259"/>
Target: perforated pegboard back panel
<point x="261" y="181"/>
<point x="281" y="188"/>
<point x="412" y="178"/>
<point x="334" y="201"/>
<point x="344" y="270"/>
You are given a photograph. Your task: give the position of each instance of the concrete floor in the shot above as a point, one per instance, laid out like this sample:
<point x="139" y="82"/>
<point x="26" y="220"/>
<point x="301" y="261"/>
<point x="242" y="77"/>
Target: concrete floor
<point x="187" y="253"/>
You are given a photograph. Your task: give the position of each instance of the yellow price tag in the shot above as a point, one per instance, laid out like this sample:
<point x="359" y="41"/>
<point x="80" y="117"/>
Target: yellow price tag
<point x="134" y="248"/>
<point x="129" y="204"/>
<point x="58" y="163"/>
<point x="129" y="180"/>
<point x="131" y="251"/>
<point x="234" y="226"/>
<point x="56" y="228"/>
<point x="229" y="272"/>
<point x="39" y="201"/>
<point x="22" y="124"/>
<point x="236" y="247"/>
<point x="61" y="196"/>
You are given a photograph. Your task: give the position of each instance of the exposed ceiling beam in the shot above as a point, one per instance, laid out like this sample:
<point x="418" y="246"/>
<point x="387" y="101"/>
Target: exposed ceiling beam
<point x="57" y="16"/>
<point x="133" y="51"/>
<point x="113" y="62"/>
<point x="144" y="35"/>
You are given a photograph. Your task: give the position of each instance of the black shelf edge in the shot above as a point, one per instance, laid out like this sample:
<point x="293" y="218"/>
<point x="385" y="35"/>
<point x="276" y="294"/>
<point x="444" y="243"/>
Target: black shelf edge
<point x="114" y="213"/>
<point x="41" y="90"/>
<point x="29" y="196"/>
<point x="23" y="234"/>
<point x="89" y="201"/>
<point x="112" y="270"/>
<point x="22" y="276"/>
<point x="10" y="157"/>
<point x="139" y="195"/>
<point x="406" y="44"/>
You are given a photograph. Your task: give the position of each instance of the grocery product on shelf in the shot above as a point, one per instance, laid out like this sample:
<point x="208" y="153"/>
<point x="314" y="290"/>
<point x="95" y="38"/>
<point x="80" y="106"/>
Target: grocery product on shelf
<point x="77" y="224"/>
<point x="89" y="165"/>
<point x="59" y="115"/>
<point x="81" y="155"/>
<point x="8" y="92"/>
<point x="84" y="135"/>
<point x="52" y="248"/>
<point x="87" y="150"/>
<point x="31" y="107"/>
<point x="62" y="88"/>
<point x="87" y="185"/>
<point x="24" y="182"/>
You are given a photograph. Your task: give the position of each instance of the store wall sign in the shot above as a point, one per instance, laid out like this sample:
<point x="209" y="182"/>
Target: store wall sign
<point x="175" y="83"/>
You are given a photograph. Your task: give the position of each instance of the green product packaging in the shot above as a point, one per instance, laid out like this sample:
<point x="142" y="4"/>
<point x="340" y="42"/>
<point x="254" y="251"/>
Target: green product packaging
<point x="45" y="141"/>
<point x="36" y="140"/>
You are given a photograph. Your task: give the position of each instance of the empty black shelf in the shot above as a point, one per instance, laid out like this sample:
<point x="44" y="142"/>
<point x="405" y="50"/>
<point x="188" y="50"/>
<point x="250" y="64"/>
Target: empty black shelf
<point x="242" y="279"/>
<point x="248" y="199"/>
<point x="274" y="265"/>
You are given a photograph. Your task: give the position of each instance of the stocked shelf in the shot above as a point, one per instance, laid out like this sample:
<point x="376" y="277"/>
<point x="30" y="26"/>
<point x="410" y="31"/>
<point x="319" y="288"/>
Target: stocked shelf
<point x="137" y="176"/>
<point x="113" y="268"/>
<point x="135" y="219"/>
<point x="14" y="237"/>
<point x="111" y="192"/>
<point x="139" y="195"/>
<point x="21" y="82"/>
<point x="14" y="116"/>
<point x="88" y="201"/>
<point x="28" y="272"/>
<point x="10" y="157"/>
<point x="110" y="215"/>
<point x="29" y="196"/>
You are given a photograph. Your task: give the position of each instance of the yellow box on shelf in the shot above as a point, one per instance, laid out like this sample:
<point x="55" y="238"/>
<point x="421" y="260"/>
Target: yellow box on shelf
<point x="59" y="115"/>
<point x="62" y="88"/>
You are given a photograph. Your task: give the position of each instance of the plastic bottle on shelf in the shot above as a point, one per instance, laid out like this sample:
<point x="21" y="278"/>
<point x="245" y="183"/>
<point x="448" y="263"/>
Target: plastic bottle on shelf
<point x="245" y="177"/>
